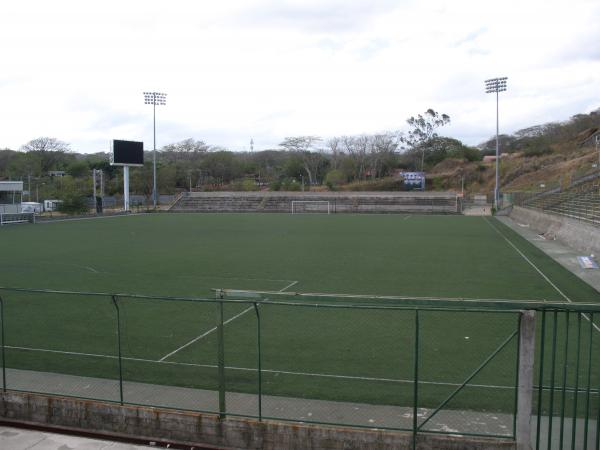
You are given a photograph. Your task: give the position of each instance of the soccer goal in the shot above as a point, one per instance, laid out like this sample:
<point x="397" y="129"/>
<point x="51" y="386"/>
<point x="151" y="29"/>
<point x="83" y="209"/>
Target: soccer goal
<point x="311" y="206"/>
<point x="8" y="218"/>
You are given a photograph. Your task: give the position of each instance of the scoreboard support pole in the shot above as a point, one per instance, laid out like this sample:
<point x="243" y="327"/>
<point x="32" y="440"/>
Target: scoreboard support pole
<point x="126" y="188"/>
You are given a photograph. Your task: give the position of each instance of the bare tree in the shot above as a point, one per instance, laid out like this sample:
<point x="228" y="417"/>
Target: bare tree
<point x="45" y="144"/>
<point x="335" y="147"/>
<point x="311" y="157"/>
<point x="50" y="151"/>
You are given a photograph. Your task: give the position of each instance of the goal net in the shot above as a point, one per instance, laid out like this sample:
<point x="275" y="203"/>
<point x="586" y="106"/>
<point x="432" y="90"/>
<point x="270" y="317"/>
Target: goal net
<point x="8" y="218"/>
<point x="311" y="206"/>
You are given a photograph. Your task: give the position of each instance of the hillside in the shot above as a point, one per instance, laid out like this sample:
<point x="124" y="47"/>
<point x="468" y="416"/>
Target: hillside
<point x="537" y="158"/>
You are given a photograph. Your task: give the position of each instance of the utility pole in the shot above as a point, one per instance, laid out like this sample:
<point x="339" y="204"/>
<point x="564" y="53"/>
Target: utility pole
<point x="496" y="85"/>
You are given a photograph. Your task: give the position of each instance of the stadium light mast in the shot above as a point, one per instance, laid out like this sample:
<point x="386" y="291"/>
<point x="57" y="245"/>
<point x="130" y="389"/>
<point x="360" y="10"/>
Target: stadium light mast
<point x="154" y="98"/>
<point x="496" y="85"/>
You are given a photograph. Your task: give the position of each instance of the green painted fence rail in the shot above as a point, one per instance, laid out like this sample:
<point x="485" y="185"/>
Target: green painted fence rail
<point x="565" y="397"/>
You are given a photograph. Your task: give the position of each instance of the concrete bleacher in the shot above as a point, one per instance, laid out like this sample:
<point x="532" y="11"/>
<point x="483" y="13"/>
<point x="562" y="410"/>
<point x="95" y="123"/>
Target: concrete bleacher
<point x="338" y="202"/>
<point x="580" y="201"/>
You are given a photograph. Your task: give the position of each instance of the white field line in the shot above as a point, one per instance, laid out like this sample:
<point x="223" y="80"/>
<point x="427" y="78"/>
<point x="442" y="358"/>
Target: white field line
<point x="288" y="286"/>
<point x="73" y="219"/>
<point x="407" y="217"/>
<point x="212" y="330"/>
<point x="539" y="271"/>
<point x="203" y="335"/>
<point x="246" y="369"/>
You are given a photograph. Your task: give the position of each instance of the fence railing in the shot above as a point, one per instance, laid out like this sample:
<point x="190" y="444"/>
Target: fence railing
<point x="465" y="367"/>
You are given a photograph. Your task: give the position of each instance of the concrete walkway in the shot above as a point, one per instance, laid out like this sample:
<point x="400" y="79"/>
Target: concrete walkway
<point x="276" y="407"/>
<point x="297" y="409"/>
<point x="562" y="254"/>
<point x="20" y="439"/>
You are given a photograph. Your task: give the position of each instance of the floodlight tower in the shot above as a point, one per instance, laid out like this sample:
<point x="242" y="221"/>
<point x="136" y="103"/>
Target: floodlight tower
<point x="496" y="85"/>
<point x="154" y="98"/>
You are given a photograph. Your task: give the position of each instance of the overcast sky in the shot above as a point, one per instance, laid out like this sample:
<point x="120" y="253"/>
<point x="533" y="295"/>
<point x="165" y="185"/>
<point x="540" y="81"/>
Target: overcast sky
<point x="236" y="70"/>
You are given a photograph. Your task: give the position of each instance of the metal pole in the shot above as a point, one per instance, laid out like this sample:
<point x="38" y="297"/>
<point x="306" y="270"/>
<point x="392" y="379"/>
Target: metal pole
<point x="126" y="188"/>
<point x="154" y="192"/>
<point x="416" y="383"/>
<point x="114" y="300"/>
<point x="574" y="423"/>
<point x="3" y="345"/>
<point x="496" y="193"/>
<point x="258" y="362"/>
<point x="221" y="358"/>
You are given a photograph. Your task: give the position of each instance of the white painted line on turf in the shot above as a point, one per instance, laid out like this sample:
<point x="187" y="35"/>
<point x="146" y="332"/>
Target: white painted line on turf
<point x="91" y="269"/>
<point x="73" y="219"/>
<point x="288" y="286"/>
<point x="538" y="270"/>
<point x="275" y="371"/>
<point x="212" y="330"/>
<point x="407" y="217"/>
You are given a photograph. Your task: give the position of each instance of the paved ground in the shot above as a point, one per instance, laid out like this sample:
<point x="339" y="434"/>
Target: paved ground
<point x="564" y="255"/>
<point x="19" y="439"/>
<point x="297" y="409"/>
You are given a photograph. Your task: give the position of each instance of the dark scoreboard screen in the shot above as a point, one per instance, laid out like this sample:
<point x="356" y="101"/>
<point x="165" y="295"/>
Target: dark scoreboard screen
<point x="128" y="153"/>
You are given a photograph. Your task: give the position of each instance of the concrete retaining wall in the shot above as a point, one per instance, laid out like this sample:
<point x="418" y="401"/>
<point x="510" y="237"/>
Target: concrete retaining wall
<point x="195" y="428"/>
<point x="339" y="202"/>
<point x="578" y="235"/>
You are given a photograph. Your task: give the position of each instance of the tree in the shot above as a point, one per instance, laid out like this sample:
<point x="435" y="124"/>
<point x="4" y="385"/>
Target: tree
<point x="186" y="149"/>
<point x="423" y="130"/>
<point x="50" y="151"/>
<point x="304" y="147"/>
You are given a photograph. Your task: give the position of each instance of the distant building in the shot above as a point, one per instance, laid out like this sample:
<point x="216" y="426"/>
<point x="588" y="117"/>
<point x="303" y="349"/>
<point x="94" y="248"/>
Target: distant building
<point x="56" y="173"/>
<point x="492" y="158"/>
<point x="11" y="195"/>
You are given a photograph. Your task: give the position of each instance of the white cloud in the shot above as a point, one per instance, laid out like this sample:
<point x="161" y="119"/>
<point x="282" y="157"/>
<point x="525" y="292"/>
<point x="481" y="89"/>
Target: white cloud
<point x="269" y="69"/>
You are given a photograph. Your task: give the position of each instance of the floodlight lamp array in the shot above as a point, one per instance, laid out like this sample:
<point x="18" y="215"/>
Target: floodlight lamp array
<point x="495" y="85"/>
<point x="155" y="98"/>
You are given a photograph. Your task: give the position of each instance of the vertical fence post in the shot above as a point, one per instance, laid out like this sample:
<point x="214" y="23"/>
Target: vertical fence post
<point x="416" y="383"/>
<point x="574" y="423"/>
<point x="221" y="356"/>
<point x="115" y="302"/>
<point x="517" y="374"/>
<point x="589" y="381"/>
<point x="3" y="344"/>
<point x="525" y="390"/>
<point x="541" y="382"/>
<point x="563" y="400"/>
<point x="552" y="379"/>
<point x="259" y="361"/>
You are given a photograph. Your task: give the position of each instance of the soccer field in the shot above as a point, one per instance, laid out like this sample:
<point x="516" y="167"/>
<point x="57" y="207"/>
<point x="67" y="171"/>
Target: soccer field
<point x="352" y="355"/>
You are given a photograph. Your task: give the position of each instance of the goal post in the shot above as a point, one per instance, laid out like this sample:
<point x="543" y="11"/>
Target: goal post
<point x="8" y="218"/>
<point x="311" y="206"/>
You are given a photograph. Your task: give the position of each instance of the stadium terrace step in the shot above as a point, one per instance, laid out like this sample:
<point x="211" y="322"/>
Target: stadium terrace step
<point x="316" y="202"/>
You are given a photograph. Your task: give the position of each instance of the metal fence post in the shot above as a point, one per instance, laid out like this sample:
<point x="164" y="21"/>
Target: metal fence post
<point x="3" y="345"/>
<point x="416" y="383"/>
<point x="114" y="300"/>
<point x="259" y="361"/>
<point x="525" y="390"/>
<point x="221" y="357"/>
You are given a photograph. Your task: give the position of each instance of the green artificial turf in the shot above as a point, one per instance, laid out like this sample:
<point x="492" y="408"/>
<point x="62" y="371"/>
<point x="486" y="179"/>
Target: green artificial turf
<point x="305" y="351"/>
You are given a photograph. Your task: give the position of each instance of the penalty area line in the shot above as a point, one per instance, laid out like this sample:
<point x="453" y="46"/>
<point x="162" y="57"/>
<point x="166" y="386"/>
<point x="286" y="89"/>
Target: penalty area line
<point x="203" y="335"/>
<point x="288" y="286"/>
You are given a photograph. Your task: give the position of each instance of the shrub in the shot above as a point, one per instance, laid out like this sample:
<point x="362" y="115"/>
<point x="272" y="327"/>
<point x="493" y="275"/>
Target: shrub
<point x="73" y="204"/>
